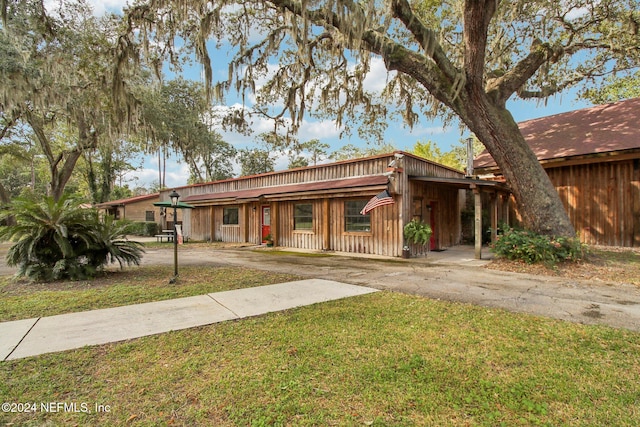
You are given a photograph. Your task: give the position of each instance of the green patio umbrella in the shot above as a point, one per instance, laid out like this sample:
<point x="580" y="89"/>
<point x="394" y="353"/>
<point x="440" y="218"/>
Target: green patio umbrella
<point x="180" y="205"/>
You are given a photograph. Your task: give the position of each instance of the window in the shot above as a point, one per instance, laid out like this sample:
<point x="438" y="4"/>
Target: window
<point x="230" y="216"/>
<point x="149" y="216"/>
<point x="303" y="216"/>
<point x="353" y="219"/>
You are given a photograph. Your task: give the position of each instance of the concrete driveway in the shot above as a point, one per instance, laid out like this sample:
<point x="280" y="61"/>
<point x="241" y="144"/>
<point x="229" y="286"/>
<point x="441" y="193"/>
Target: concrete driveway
<point x="450" y="275"/>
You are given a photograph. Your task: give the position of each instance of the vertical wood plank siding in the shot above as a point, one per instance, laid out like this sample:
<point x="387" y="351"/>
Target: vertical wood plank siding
<point x="601" y="200"/>
<point x="305" y="239"/>
<point x="385" y="237"/>
<point x="200" y="224"/>
<point x="446" y="201"/>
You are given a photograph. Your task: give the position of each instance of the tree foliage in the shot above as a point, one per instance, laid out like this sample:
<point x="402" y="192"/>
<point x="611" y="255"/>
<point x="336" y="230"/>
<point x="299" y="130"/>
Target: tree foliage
<point x="615" y="88"/>
<point x="102" y="166"/>
<point x="174" y="115"/>
<point x="300" y="154"/>
<point x="350" y="151"/>
<point x="255" y="161"/>
<point x="462" y="58"/>
<point x="429" y="150"/>
<point x="56" y="66"/>
<point x="455" y="158"/>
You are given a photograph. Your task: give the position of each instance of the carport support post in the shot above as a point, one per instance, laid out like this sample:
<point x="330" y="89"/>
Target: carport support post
<point x="478" y="220"/>
<point x="494" y="217"/>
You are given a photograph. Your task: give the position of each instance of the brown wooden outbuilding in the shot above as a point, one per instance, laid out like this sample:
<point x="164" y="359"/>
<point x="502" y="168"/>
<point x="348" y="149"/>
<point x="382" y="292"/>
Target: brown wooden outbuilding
<point x="138" y="208"/>
<point x="592" y="157"/>
<point x="319" y="207"/>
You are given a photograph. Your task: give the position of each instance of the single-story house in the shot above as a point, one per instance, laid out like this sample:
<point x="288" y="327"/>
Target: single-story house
<point x="139" y="208"/>
<point x="320" y="207"/>
<point x="592" y="157"/>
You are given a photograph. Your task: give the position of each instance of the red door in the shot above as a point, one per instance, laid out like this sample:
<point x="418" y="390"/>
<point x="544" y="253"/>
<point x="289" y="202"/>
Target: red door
<point x="433" y="244"/>
<point x="266" y="222"/>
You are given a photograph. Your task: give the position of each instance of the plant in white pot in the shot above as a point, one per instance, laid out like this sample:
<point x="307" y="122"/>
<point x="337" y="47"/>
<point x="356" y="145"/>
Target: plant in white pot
<point x="417" y="233"/>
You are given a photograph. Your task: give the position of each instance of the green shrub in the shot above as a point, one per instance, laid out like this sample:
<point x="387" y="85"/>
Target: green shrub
<point x="532" y="248"/>
<point x="60" y="240"/>
<point x="417" y="232"/>
<point x="141" y="228"/>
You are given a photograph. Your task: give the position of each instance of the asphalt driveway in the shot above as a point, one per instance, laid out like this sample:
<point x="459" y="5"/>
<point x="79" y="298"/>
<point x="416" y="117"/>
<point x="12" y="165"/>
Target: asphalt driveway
<point x="450" y="275"/>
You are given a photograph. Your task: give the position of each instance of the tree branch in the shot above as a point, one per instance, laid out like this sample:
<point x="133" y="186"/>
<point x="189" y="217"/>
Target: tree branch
<point x="38" y="128"/>
<point x="503" y="87"/>
<point x="425" y="36"/>
<point x="477" y="16"/>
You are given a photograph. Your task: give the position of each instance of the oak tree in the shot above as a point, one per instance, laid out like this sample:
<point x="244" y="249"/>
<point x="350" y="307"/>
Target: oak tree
<point x="456" y="58"/>
<point x="56" y="67"/>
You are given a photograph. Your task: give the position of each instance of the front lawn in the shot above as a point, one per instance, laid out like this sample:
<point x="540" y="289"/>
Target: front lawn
<point x="383" y="359"/>
<point x="21" y="300"/>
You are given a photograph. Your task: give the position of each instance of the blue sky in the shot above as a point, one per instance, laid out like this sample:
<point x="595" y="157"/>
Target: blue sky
<point x="326" y="131"/>
<point x="397" y="134"/>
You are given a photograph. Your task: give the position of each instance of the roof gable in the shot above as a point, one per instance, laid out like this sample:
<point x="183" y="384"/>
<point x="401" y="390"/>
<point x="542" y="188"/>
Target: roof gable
<point x="596" y="130"/>
<point x="129" y="200"/>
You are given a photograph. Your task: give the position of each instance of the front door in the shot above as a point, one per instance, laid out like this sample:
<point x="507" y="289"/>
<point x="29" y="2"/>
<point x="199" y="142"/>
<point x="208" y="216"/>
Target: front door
<point x="266" y="222"/>
<point x="433" y="214"/>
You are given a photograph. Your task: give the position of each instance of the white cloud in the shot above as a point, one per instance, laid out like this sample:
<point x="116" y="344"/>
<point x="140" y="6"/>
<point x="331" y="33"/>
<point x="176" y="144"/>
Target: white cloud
<point x="378" y="76"/>
<point x="318" y="130"/>
<point x="141" y="177"/>
<point x="177" y="174"/>
<point x="100" y="7"/>
<point x="432" y="130"/>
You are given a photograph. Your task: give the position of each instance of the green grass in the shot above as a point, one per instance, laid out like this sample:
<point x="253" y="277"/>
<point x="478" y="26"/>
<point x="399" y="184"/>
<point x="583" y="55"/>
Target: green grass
<point x="383" y="359"/>
<point x="20" y="300"/>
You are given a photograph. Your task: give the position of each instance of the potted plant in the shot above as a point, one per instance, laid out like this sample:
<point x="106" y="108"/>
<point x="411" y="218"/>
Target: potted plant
<point x="416" y="232"/>
<point x="268" y="240"/>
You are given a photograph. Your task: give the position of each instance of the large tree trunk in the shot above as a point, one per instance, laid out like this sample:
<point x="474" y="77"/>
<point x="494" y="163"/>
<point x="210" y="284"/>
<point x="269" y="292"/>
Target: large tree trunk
<point x="5" y="199"/>
<point x="61" y="175"/>
<point x="538" y="201"/>
<point x="61" y="166"/>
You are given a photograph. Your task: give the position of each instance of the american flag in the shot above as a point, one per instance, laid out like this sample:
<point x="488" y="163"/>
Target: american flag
<point x="381" y="199"/>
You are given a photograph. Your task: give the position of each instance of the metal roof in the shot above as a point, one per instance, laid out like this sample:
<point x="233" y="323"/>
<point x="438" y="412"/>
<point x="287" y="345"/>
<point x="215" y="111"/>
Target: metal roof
<point x="462" y="182"/>
<point x="289" y="189"/>
<point x="607" y="128"/>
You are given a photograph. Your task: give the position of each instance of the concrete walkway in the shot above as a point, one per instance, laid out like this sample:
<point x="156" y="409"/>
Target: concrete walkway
<point x="30" y="337"/>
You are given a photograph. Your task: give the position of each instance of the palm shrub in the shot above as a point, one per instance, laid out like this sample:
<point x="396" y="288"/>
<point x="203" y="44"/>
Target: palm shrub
<point x="61" y="240"/>
<point x="111" y="245"/>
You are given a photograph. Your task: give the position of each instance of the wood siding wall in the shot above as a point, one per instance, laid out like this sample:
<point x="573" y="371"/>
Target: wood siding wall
<point x="372" y="166"/>
<point x="200" y="224"/>
<point x="444" y="201"/>
<point x="602" y="200"/>
<point x="137" y="211"/>
<point x="307" y="239"/>
<point x="443" y="205"/>
<point x="328" y="232"/>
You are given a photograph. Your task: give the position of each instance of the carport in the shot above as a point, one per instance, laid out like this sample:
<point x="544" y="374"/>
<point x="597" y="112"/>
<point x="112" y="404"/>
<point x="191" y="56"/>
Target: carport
<point x="499" y="195"/>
